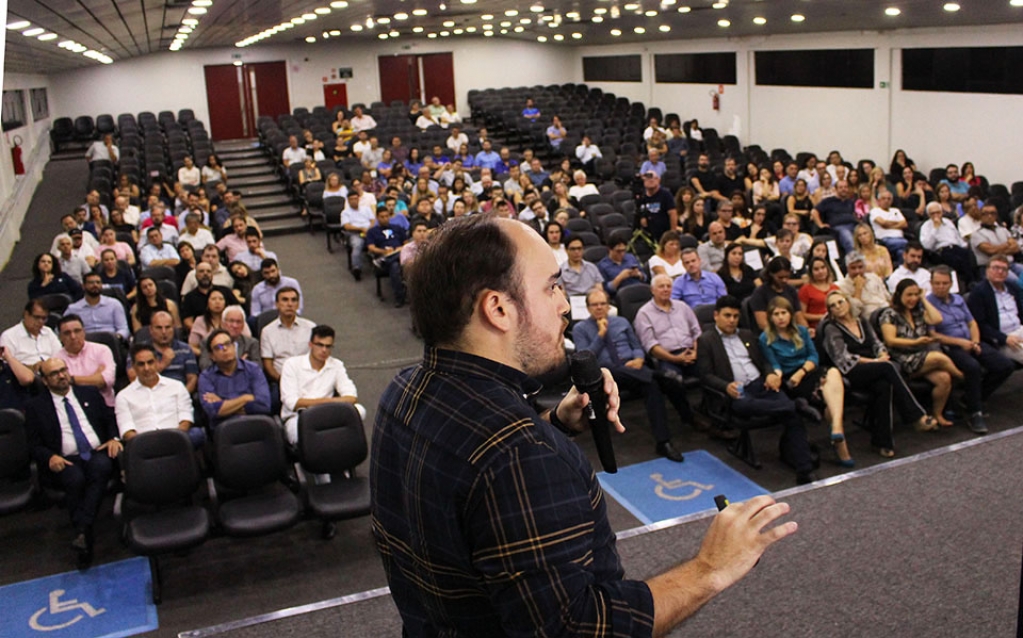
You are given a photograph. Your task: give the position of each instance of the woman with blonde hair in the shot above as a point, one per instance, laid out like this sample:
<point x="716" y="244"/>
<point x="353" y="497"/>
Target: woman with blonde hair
<point x="788" y="347"/>
<point x="876" y="257"/>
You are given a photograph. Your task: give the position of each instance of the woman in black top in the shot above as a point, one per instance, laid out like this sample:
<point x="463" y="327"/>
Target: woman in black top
<point x="740" y="279"/>
<point x="47" y="279"/>
<point x="852" y="347"/>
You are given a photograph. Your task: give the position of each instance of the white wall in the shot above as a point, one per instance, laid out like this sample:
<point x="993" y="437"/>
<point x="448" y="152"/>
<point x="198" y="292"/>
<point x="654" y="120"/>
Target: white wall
<point x="16" y="192"/>
<point x="934" y="128"/>
<point x="172" y="81"/>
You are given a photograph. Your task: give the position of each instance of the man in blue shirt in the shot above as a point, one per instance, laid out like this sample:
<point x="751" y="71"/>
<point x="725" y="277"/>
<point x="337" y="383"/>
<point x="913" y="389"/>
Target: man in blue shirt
<point x="384" y="243"/>
<point x="697" y="286"/>
<point x="487" y="158"/>
<point x="653" y="164"/>
<point x="839" y="214"/>
<point x="788" y="183"/>
<point x="984" y="367"/>
<point x="531" y="112"/>
<point x="620" y="268"/>
<point x="617" y="348"/>
<point x="100" y="313"/>
<point x="960" y="189"/>
<point x="231" y="386"/>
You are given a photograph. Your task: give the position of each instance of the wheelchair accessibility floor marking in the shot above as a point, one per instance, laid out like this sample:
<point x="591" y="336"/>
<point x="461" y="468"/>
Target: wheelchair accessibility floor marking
<point x="108" y="601"/>
<point x="661" y="489"/>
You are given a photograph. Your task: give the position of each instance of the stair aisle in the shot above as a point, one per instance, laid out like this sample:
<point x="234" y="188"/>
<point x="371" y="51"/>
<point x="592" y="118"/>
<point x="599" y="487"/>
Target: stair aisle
<point x="250" y="171"/>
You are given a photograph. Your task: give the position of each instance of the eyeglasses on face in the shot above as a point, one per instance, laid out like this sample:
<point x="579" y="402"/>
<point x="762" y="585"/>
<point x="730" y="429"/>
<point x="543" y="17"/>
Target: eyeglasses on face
<point x="220" y="347"/>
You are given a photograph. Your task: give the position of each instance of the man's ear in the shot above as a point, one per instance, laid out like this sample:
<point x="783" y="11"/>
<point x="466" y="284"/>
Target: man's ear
<point x="496" y="309"/>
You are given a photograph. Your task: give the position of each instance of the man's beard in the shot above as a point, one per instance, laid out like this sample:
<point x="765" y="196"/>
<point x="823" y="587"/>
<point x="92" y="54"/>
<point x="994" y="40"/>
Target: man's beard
<point x="545" y="362"/>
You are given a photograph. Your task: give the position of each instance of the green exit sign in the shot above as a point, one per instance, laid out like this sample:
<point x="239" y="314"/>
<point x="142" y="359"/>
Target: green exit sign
<point x="884" y="85"/>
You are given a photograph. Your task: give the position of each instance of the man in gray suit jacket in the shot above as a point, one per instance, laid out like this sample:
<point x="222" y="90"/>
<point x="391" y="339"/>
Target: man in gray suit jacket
<point x="730" y="362"/>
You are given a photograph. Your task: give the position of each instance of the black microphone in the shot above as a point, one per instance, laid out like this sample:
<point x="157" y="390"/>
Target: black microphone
<point x="587" y="377"/>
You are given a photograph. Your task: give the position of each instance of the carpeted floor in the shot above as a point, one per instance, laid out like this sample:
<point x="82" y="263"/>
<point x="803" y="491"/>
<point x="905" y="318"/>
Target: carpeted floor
<point x="892" y="556"/>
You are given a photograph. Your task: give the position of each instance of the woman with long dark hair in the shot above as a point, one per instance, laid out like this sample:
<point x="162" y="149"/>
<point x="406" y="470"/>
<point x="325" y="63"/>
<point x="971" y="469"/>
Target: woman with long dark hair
<point x="149" y="300"/>
<point x="47" y="279"/>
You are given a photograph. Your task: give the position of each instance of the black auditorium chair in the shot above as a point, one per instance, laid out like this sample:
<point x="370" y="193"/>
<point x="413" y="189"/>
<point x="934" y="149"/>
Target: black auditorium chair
<point x="247" y="488"/>
<point x="63" y="131"/>
<point x="161" y="476"/>
<point x="16" y="481"/>
<point x="332" y="208"/>
<point x="630" y="299"/>
<point x="331" y="440"/>
<point x="56" y="302"/>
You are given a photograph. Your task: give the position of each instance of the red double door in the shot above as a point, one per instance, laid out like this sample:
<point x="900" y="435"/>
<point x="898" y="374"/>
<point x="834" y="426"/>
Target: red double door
<point x="417" y="77"/>
<point x="237" y="95"/>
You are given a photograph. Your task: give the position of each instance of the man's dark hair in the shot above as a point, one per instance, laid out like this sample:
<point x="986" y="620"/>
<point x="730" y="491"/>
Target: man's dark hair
<point x="321" y="331"/>
<point x="32" y="304"/>
<point x="213" y="335"/>
<point x="250" y="231"/>
<point x="69" y="318"/>
<point x="913" y="245"/>
<point x="140" y="347"/>
<point x="152" y="228"/>
<point x="941" y="269"/>
<point x="266" y="263"/>
<point x="574" y="238"/>
<point x="955" y="166"/>
<point x="277" y="297"/>
<point x="463" y="258"/>
<point x="88" y="275"/>
<point x="416" y="224"/>
<point x="784" y="233"/>
<point x="728" y="301"/>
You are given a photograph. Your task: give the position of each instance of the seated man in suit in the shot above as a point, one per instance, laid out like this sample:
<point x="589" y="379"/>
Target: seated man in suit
<point x="618" y="349"/>
<point x="71" y="433"/>
<point x="995" y="304"/>
<point x="730" y="362"/>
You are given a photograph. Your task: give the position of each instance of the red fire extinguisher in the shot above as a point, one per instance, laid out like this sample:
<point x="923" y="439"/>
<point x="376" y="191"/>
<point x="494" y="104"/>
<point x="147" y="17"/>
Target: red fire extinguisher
<point x="19" y="166"/>
<point x="715" y="98"/>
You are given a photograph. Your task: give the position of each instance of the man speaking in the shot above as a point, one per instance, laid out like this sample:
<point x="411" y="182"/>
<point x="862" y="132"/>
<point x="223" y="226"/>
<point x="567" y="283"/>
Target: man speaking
<point x="489" y="520"/>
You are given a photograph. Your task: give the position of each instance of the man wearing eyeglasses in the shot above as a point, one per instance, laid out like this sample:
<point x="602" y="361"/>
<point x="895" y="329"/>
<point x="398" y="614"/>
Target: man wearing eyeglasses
<point x="997" y="308"/>
<point x="71" y="433"/>
<point x="31" y="342"/>
<point x="231" y="386"/>
<point x="314" y="378"/>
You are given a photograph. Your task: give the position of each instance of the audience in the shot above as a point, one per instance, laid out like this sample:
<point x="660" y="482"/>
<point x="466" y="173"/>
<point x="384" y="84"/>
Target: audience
<point x="154" y="402"/>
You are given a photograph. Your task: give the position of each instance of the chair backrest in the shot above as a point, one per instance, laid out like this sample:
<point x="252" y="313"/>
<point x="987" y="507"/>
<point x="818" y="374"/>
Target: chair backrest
<point x="263" y="319"/>
<point x="705" y="315"/>
<point x="110" y="340"/>
<point x="594" y="254"/>
<point x="56" y="302"/>
<point x="160" y="273"/>
<point x="631" y="298"/>
<point x="331" y="438"/>
<point x="249" y="452"/>
<point x="160" y="467"/>
<point x="14" y="452"/>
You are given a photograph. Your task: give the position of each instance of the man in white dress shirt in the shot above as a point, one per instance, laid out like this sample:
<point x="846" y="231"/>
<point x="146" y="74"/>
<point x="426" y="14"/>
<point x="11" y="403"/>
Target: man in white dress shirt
<point x="154" y="402"/>
<point x="314" y="378"/>
<point x="31" y="341"/>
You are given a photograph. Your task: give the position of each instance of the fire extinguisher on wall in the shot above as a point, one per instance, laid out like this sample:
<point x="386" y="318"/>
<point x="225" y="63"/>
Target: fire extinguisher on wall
<point x="19" y="166"/>
<point x="715" y="99"/>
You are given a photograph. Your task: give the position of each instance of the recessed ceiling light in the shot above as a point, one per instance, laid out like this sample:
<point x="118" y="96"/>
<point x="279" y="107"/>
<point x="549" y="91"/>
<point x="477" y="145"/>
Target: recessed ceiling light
<point x="506" y="24"/>
<point x="237" y="63"/>
<point x="684" y="9"/>
<point x="525" y="21"/>
<point x="798" y="17"/>
<point x="487" y="26"/>
<point x="190" y="22"/>
<point x="632" y="6"/>
<point x="572" y="15"/>
<point x="1016" y="3"/>
<point x="325" y="34"/>
<point x="504" y="31"/>
<point x="519" y="29"/>
<point x="33" y="32"/>
<point x="431" y="35"/>
<point x="650" y="14"/>
<point x="600" y="11"/>
<point x="401" y="16"/>
<point x="724" y="23"/>
<point x="761" y="20"/>
<point x="951" y="7"/>
<point x="356" y="27"/>
<point x="616" y="32"/>
<point x="488" y="34"/>
<point x="449" y="23"/>
<point x="458" y="31"/>
<point x="420" y="12"/>
<point x="339" y="4"/>
<point x="335" y="32"/>
<point x="382" y="36"/>
<point x="541" y="38"/>
<point x="181" y="36"/>
<point x="558" y="37"/>
<point x="417" y="29"/>
<point x="393" y="34"/>
<point x="487" y="16"/>
<point x="536" y="8"/>
<point x="445" y="34"/>
<point x="322" y="11"/>
<point x="310" y="39"/>
<point x="46" y="37"/>
<point x="664" y="28"/>
<point x="20" y="24"/>
<point x="719" y="5"/>
<point x="577" y="36"/>
<point x="197" y="11"/>
<point x="639" y="30"/>
<point x="202" y="3"/>
<point x="298" y="21"/>
<point x="468" y="1"/>
<point x="511" y="13"/>
<point x="892" y="11"/>
<point x="309" y="16"/>
<point x="597" y="19"/>
<point x="667" y="3"/>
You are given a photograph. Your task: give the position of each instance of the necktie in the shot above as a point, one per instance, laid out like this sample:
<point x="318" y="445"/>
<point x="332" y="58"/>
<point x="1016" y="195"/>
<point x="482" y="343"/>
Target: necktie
<point x="84" y="447"/>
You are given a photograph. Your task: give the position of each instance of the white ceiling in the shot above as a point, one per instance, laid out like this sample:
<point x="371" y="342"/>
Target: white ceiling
<point x="129" y="28"/>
